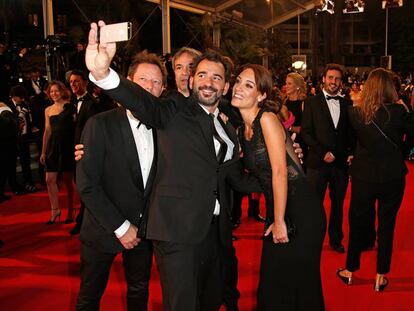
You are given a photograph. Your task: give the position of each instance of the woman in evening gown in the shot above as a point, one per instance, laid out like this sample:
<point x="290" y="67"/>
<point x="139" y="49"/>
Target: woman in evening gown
<point x="290" y="265"/>
<point x="58" y="147"/>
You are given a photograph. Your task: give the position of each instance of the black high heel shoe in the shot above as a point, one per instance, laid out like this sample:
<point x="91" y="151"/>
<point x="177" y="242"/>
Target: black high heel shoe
<point x="54" y="217"/>
<point x="346" y="280"/>
<point x="381" y="287"/>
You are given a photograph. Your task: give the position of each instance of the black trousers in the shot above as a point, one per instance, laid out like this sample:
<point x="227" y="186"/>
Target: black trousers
<point x="363" y="197"/>
<point x="191" y="276"/>
<point x="337" y="180"/>
<point x="24" y="156"/>
<point x="8" y="155"/>
<point x="95" y="268"/>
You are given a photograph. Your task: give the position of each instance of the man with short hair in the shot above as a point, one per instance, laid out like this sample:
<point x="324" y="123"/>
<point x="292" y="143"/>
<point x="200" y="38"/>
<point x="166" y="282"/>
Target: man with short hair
<point x="326" y="130"/>
<point x="190" y="205"/>
<point x="182" y="62"/>
<point x="86" y="107"/>
<point x="114" y="180"/>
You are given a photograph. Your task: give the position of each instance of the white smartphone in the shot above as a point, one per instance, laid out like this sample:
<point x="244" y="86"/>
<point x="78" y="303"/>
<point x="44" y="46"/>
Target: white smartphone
<point x="115" y="32"/>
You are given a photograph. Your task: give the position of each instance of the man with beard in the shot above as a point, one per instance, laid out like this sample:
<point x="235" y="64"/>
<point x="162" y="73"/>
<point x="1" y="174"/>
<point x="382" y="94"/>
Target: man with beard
<point x="182" y="63"/>
<point x="326" y="130"/>
<point x="189" y="210"/>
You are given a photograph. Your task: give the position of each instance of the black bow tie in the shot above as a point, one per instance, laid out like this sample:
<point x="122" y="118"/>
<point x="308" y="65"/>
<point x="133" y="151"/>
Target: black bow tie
<point x="147" y="126"/>
<point x="333" y="97"/>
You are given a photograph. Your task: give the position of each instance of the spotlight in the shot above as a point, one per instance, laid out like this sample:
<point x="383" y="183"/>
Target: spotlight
<point x="326" y="6"/>
<point x="354" y="6"/>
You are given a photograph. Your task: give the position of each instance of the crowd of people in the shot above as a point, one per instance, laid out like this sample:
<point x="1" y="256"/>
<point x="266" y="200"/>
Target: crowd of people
<point x="163" y="172"/>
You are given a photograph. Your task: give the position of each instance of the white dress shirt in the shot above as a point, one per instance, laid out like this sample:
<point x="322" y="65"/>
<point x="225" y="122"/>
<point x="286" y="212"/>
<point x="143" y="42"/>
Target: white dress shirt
<point x="79" y="104"/>
<point x="144" y="143"/>
<point x="112" y="81"/>
<point x="227" y="140"/>
<point x="334" y="108"/>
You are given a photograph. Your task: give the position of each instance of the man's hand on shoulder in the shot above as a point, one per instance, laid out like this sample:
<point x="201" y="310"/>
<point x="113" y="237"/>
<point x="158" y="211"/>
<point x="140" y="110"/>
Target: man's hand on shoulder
<point x="329" y="157"/>
<point x="78" y="152"/>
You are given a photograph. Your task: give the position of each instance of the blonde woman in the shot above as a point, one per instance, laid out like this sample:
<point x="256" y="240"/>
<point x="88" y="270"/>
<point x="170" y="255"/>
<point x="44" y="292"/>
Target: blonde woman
<point x="58" y="146"/>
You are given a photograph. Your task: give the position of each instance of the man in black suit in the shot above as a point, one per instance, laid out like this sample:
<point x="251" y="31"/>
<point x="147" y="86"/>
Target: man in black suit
<point x="114" y="180"/>
<point x="325" y="129"/>
<point x="86" y="107"/>
<point x="189" y="213"/>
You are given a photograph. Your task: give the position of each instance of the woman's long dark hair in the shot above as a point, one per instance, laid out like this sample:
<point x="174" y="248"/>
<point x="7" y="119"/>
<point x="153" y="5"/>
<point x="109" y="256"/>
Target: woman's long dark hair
<point x="264" y="84"/>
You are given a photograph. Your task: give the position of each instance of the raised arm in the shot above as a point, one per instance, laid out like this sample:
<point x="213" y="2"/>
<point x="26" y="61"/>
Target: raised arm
<point x="149" y="109"/>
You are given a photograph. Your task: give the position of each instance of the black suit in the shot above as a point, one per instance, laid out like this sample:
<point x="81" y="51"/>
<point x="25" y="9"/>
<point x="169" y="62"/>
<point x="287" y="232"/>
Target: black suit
<point x="321" y="135"/>
<point x="110" y="183"/>
<point x="378" y="175"/>
<point x="89" y="108"/>
<point x="188" y="182"/>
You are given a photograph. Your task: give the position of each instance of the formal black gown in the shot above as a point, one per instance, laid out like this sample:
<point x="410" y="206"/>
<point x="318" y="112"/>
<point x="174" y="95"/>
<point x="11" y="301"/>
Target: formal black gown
<point x="289" y="273"/>
<point x="60" y="147"/>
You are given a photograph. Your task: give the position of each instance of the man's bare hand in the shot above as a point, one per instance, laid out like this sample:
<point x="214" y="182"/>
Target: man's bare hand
<point x="297" y="148"/>
<point x="98" y="56"/>
<point x="349" y="160"/>
<point x="129" y="240"/>
<point x="78" y="152"/>
<point x="329" y="157"/>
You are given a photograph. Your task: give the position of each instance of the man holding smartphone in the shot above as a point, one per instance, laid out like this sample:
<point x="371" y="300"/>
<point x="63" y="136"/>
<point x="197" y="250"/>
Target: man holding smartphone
<point x="114" y="180"/>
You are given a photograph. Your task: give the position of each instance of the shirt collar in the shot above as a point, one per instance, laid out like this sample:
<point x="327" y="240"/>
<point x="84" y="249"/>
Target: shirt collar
<point x="216" y="112"/>
<point x="132" y="120"/>
<point x="326" y="93"/>
<point x="77" y="97"/>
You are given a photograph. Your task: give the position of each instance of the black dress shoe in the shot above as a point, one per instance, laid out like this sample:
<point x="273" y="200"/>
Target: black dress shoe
<point x="339" y="248"/>
<point x="75" y="230"/>
<point x="381" y="287"/>
<point x="345" y="279"/>
<point x="235" y="224"/>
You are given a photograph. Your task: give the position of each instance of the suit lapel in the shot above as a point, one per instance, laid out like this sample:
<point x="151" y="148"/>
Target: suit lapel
<point x="130" y="150"/>
<point x="231" y="133"/>
<point x="153" y="169"/>
<point x="343" y="108"/>
<point x="205" y="124"/>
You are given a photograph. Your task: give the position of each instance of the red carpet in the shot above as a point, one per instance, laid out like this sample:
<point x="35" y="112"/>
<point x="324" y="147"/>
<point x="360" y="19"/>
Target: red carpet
<point x="39" y="264"/>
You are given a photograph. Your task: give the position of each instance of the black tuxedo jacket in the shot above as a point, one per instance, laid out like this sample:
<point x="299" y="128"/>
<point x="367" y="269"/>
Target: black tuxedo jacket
<point x="42" y="84"/>
<point x="188" y="179"/>
<point x="109" y="180"/>
<point x="376" y="159"/>
<point x="89" y="108"/>
<point x="319" y="132"/>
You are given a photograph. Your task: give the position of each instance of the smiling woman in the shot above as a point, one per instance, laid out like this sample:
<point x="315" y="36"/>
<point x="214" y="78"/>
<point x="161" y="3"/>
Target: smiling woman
<point x="269" y="156"/>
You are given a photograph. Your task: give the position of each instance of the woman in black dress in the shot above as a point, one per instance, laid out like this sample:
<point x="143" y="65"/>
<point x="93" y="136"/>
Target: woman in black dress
<point x="58" y="147"/>
<point x="290" y="265"/>
<point x="378" y="171"/>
